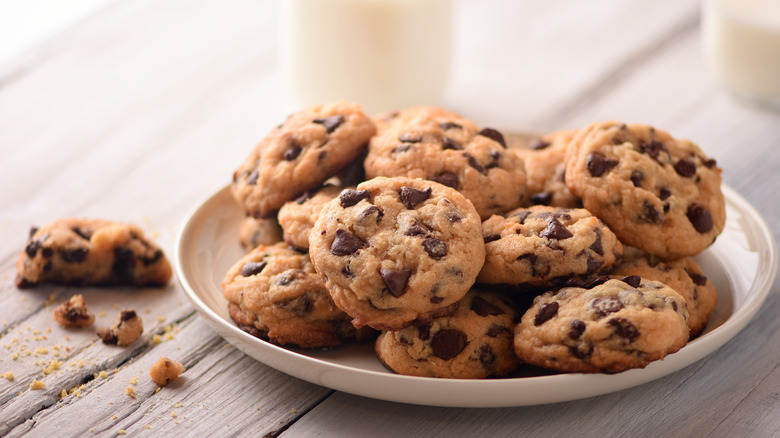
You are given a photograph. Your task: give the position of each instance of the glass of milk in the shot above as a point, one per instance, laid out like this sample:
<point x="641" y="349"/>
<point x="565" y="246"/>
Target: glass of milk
<point x="741" y="39"/>
<point x="382" y="54"/>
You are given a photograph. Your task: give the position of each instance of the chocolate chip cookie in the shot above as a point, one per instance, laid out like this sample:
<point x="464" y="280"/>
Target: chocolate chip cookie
<point x="657" y="193"/>
<point x="541" y="244"/>
<point x="396" y="250"/>
<point x="474" y="343"/>
<point x="298" y="217"/>
<point x="614" y="326"/>
<point x="683" y="275"/>
<point x="254" y="232"/>
<point x="83" y="252"/>
<point x="274" y="294"/>
<point x="546" y="170"/>
<point x="299" y="155"/>
<point x="435" y="144"/>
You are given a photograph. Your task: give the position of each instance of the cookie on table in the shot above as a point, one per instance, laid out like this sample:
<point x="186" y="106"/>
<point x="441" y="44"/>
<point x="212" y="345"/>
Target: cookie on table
<point x="541" y="244"/>
<point x="274" y="293"/>
<point x="657" y="193"/>
<point x="254" y="232"/>
<point x="473" y="343"/>
<point x="438" y="145"/>
<point x="683" y="275"/>
<point x="81" y="252"/>
<point x="298" y="217"/>
<point x="308" y="148"/>
<point x="546" y="170"/>
<point x="397" y="250"/>
<point x="614" y="326"/>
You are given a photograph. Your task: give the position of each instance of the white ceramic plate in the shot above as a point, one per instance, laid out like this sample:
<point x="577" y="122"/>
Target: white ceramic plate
<point x="742" y="265"/>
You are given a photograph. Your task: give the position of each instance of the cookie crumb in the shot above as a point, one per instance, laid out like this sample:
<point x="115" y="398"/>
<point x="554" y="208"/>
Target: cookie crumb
<point x="134" y="380"/>
<point x="63" y="393"/>
<point x="165" y="371"/>
<point x="121" y="432"/>
<point x="37" y="384"/>
<point x="127" y="328"/>
<point x="74" y="313"/>
<point x="130" y="392"/>
<point x="9" y="375"/>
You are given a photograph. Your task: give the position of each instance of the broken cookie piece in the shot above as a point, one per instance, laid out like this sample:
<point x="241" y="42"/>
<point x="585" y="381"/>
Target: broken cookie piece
<point x="74" y="313"/>
<point x="165" y="371"/>
<point x="127" y="328"/>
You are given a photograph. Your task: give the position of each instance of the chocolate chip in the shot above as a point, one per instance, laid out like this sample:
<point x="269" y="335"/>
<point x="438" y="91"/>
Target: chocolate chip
<point x="399" y="149"/>
<point x="491" y="237"/>
<point x="664" y="194"/>
<point x="496" y="330"/>
<point x="474" y="163"/>
<point x="124" y="265"/>
<point x="330" y="123"/>
<point x="521" y="216"/>
<point x="605" y="305"/>
<point x="417" y="229"/>
<point x="252" y="268"/>
<point x="593" y="265"/>
<point x="153" y="259"/>
<point x="493" y="135"/>
<point x="598" y="164"/>
<point x="396" y="280"/>
<point x="449" y="143"/>
<point x="649" y="213"/>
<point x="577" y="329"/>
<point x="449" y="125"/>
<point x="637" y="177"/>
<point x="546" y="311"/>
<point x="709" y="162"/>
<point x="538" y="144"/>
<point x="350" y="197"/>
<point x="32" y="232"/>
<point x="448" y="179"/>
<point x="541" y="198"/>
<point x="484" y="308"/>
<point x="288" y="277"/>
<point x="252" y="179"/>
<point x="698" y="279"/>
<point x="74" y="255"/>
<point x="596" y="245"/>
<point x="700" y="218"/>
<point x="685" y="168"/>
<point x="453" y="215"/>
<point x="448" y="343"/>
<point x="409" y="138"/>
<point x="292" y="152"/>
<point x="624" y="328"/>
<point x="495" y="157"/>
<point x="412" y="197"/>
<point x="531" y="257"/>
<point x="436" y="300"/>
<point x="582" y="351"/>
<point x="555" y="230"/>
<point x="304" y="197"/>
<point x="84" y="234"/>
<point x="632" y="280"/>
<point x="127" y="315"/>
<point x="424" y="332"/>
<point x="435" y="247"/>
<point x="32" y="248"/>
<point x="370" y="211"/>
<point x="486" y="357"/>
<point x="345" y="243"/>
<point x="107" y="335"/>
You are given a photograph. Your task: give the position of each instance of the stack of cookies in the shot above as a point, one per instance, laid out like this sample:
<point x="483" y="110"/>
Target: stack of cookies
<point x="464" y="255"/>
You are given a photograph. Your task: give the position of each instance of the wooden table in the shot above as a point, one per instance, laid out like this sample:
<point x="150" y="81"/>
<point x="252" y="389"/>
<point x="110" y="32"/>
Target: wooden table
<point x="138" y="111"/>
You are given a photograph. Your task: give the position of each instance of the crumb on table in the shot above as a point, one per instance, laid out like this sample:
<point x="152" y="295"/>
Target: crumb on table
<point x="165" y="371"/>
<point x="74" y="313"/>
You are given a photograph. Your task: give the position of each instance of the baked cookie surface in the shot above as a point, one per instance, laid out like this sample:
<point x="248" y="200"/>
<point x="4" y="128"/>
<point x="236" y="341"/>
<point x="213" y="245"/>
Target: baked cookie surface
<point x="274" y="293"/>
<point x="396" y="250"/>
<point x="614" y="326"/>
<point x="254" y="232"/>
<point x="298" y="217"/>
<point x="438" y="145"/>
<point x="81" y="252"/>
<point x="546" y="170"/>
<point x="655" y="192"/>
<point x="473" y="343"/>
<point x="539" y="244"/>
<point x="308" y="148"/>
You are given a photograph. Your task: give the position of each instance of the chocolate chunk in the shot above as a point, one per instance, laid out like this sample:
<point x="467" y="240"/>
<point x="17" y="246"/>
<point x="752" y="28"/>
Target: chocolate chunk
<point x="709" y="162"/>
<point x="577" y="329"/>
<point x="649" y="213"/>
<point x="541" y="198"/>
<point x="484" y="308"/>
<point x="605" y="305"/>
<point x="73" y="255"/>
<point x="637" y="177"/>
<point x="252" y="268"/>
<point x="632" y="280"/>
<point x="127" y="315"/>
<point x="448" y="179"/>
<point x="624" y="328"/>
<point x="596" y="245"/>
<point x="685" y="168"/>
<point x="486" y="357"/>
<point x="409" y="138"/>
<point x="496" y="330"/>
<point x="698" y="279"/>
<point x="546" y="311"/>
<point x="555" y="230"/>
<point x="495" y="157"/>
<point x="412" y="197"/>
<point x="292" y="152"/>
<point x="453" y="215"/>
<point x="664" y="194"/>
<point x="493" y="135"/>
<point x="582" y="351"/>
<point x="474" y="163"/>
<point x="32" y="232"/>
<point x="350" y="197"/>
<point x="521" y="216"/>
<point x="700" y="218"/>
<point x="32" y="248"/>
<point x="531" y="257"/>
<point x="491" y="237"/>
<point x="436" y="300"/>
<point x="124" y="265"/>
<point x="396" y="280"/>
<point x="288" y="277"/>
<point x="107" y="335"/>
<point x="399" y="149"/>
<point x="449" y="125"/>
<point x="598" y="164"/>
<point x="448" y="343"/>
<point x="435" y="247"/>
<point x="538" y="144"/>
<point x="417" y="229"/>
<point x="424" y="332"/>
<point x="593" y="265"/>
<point x="153" y="259"/>
<point x="371" y="211"/>
<point x="652" y="148"/>
<point x="252" y="179"/>
<point x="449" y="143"/>
<point x="330" y="123"/>
<point x="84" y="234"/>
<point x="346" y="243"/>
<point x="305" y="197"/>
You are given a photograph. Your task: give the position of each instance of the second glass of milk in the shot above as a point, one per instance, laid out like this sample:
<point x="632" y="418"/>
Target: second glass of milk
<point x="741" y="39"/>
<point x="382" y="54"/>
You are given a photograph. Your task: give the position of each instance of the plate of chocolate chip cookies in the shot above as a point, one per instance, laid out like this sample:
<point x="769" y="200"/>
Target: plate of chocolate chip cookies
<point x="416" y="257"/>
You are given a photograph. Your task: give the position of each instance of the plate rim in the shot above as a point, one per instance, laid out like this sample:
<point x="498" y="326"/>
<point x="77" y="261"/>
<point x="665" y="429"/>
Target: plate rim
<point x="758" y="292"/>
